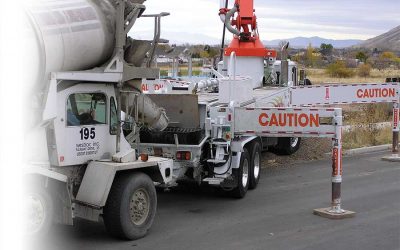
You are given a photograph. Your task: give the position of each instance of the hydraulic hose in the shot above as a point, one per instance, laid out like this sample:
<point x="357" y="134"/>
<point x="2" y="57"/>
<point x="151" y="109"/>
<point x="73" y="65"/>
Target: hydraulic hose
<point x="228" y="21"/>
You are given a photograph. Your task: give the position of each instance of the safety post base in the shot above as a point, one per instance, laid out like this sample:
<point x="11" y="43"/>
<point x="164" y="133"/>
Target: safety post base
<point x="331" y="214"/>
<point x="392" y="158"/>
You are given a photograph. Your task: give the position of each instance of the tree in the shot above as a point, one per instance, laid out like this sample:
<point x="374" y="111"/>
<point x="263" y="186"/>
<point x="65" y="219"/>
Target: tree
<point x="385" y="60"/>
<point x="310" y="59"/>
<point x="326" y="49"/>
<point x="388" y="55"/>
<point x="208" y="51"/>
<point x="397" y="61"/>
<point x="213" y="52"/>
<point x="339" y="69"/>
<point x="204" y="54"/>
<point x="364" y="70"/>
<point x="361" y="56"/>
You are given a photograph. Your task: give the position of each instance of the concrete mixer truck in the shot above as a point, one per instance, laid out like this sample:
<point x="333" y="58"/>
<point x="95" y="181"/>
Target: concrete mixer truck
<point x="83" y="70"/>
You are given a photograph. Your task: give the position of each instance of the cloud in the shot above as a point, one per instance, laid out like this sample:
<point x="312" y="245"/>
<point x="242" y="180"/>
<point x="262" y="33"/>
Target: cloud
<point x="339" y="19"/>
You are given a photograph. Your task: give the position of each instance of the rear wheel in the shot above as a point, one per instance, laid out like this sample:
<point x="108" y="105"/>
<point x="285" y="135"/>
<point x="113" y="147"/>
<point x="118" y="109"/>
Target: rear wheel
<point x="131" y="206"/>
<point x="255" y="167"/>
<point x="242" y="175"/>
<point x="288" y="145"/>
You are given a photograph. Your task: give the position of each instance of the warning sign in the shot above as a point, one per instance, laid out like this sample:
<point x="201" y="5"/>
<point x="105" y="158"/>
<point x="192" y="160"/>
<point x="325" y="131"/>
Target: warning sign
<point x="289" y="120"/>
<point x="344" y="94"/>
<point x="304" y="122"/>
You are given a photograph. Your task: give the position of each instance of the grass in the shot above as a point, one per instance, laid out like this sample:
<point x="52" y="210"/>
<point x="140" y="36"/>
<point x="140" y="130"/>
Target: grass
<point x="319" y="76"/>
<point x="365" y="114"/>
<point x="366" y="137"/>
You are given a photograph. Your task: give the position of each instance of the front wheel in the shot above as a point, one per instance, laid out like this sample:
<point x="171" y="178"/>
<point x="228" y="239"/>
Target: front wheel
<point x="242" y="175"/>
<point x="131" y="206"/>
<point x="40" y="211"/>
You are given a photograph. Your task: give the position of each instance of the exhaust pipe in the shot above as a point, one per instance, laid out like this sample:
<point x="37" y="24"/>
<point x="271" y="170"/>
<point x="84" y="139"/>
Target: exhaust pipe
<point x="284" y="65"/>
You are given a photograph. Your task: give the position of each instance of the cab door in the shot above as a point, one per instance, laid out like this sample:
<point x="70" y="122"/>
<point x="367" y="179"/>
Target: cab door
<point x="83" y="130"/>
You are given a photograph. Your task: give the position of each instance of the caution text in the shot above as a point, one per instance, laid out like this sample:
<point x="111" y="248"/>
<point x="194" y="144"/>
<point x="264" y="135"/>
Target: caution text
<point x="289" y="120"/>
<point x="376" y="93"/>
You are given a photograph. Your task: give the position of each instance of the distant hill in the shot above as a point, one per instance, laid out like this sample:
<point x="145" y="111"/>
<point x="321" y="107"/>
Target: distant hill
<point x="387" y="41"/>
<point x="303" y="42"/>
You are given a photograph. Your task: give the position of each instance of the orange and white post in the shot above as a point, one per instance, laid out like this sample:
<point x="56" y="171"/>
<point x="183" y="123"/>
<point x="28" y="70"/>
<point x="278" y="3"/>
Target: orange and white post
<point x="396" y="129"/>
<point x="336" y="211"/>
<point x="337" y="168"/>
<point x="395" y="157"/>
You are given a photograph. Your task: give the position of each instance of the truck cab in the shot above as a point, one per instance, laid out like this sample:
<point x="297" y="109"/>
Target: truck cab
<point x="86" y="125"/>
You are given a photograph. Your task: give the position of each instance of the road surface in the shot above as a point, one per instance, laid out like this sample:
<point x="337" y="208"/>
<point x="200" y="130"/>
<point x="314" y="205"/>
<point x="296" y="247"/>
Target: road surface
<point x="277" y="215"/>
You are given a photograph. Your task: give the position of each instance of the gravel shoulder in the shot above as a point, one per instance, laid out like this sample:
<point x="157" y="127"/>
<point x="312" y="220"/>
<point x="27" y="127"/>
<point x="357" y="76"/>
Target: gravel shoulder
<point x="310" y="149"/>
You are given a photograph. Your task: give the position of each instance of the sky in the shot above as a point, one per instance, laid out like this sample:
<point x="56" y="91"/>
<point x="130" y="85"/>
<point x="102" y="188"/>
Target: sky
<point x="198" y="21"/>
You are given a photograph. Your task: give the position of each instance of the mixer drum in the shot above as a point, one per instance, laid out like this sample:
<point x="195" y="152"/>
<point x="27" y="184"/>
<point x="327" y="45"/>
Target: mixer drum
<point x="67" y="35"/>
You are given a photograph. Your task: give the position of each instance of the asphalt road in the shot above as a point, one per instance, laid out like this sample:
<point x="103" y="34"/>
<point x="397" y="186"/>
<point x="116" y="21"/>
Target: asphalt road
<point x="277" y="215"/>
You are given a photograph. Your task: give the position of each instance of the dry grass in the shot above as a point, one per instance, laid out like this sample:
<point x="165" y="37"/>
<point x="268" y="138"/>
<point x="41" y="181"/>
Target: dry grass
<point x="367" y="114"/>
<point x="319" y="76"/>
<point x="356" y="114"/>
<point x="367" y="137"/>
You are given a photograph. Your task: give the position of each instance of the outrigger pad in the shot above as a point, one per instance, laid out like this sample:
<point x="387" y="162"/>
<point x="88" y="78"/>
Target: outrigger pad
<point x="325" y="212"/>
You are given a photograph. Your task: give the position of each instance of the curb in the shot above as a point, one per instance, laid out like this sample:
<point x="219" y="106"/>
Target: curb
<point x="364" y="150"/>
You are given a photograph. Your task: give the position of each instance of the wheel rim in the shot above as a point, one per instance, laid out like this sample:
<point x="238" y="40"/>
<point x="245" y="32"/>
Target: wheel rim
<point x="139" y="206"/>
<point x="256" y="169"/>
<point x="36" y="213"/>
<point x="245" y="174"/>
<point x="294" y="141"/>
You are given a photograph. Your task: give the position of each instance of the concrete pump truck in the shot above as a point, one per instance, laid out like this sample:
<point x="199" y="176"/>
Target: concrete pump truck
<point x="98" y="146"/>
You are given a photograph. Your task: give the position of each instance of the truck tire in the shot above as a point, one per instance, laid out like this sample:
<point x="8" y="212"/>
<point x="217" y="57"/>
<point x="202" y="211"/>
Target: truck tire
<point x="307" y="82"/>
<point x="241" y="174"/>
<point x="40" y="212"/>
<point x="131" y="206"/>
<point x="255" y="166"/>
<point x="288" y="145"/>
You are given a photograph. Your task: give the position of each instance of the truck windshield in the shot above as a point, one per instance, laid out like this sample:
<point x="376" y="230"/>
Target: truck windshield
<point x="86" y="109"/>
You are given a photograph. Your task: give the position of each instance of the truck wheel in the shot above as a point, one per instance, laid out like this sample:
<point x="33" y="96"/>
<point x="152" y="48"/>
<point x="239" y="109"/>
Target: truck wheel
<point x="242" y="175"/>
<point x="131" y="206"/>
<point x="40" y="212"/>
<point x="255" y="166"/>
<point x="288" y="145"/>
<point x="307" y="82"/>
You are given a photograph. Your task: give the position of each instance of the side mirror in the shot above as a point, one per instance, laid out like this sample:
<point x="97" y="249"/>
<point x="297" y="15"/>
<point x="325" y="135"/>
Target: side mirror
<point x="114" y="129"/>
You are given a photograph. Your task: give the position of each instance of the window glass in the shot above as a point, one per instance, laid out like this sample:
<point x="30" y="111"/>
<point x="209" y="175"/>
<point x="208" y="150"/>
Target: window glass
<point x="86" y="109"/>
<point x="113" y="117"/>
